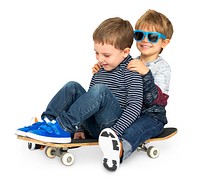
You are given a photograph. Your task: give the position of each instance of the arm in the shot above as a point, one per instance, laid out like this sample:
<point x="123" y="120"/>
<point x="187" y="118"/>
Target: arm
<point x="153" y="85"/>
<point x="152" y="93"/>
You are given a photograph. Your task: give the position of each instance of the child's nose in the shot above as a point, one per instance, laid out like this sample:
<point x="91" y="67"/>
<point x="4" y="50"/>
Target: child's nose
<point x="145" y="39"/>
<point x="100" y="59"/>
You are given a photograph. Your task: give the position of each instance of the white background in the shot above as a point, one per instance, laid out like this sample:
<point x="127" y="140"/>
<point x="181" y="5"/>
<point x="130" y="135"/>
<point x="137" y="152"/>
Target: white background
<point x="44" y="44"/>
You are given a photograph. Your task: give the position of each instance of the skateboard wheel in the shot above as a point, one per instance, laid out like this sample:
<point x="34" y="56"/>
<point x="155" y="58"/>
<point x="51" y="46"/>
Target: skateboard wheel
<point x="33" y="146"/>
<point x="67" y="159"/>
<point x="50" y="152"/>
<point x="153" y="152"/>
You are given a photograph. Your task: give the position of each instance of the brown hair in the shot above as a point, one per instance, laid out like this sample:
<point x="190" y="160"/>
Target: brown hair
<point x="114" y="31"/>
<point x="155" y="21"/>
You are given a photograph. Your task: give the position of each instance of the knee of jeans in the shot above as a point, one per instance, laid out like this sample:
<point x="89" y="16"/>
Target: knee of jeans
<point x="71" y="83"/>
<point x="74" y="86"/>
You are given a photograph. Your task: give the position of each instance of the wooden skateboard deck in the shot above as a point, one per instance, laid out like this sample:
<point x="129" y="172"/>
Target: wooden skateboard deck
<point x="61" y="150"/>
<point x="73" y="143"/>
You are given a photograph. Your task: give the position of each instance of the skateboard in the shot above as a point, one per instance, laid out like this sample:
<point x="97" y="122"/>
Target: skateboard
<point x="61" y="150"/>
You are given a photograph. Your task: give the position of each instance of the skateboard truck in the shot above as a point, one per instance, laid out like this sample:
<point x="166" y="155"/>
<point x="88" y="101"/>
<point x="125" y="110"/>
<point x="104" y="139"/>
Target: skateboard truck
<point x="66" y="157"/>
<point x="151" y="151"/>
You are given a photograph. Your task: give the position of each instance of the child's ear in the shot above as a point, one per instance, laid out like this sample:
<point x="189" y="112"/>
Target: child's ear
<point x="165" y="43"/>
<point x="126" y="52"/>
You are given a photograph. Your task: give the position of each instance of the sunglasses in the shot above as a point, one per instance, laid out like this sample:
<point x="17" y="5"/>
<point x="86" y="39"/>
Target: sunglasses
<point x="152" y="37"/>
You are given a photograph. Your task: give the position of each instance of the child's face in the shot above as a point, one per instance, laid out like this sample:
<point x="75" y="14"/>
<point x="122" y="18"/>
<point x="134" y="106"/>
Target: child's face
<point x="148" y="49"/>
<point x="108" y="56"/>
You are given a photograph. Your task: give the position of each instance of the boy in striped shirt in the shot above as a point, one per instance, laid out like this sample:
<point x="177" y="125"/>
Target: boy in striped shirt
<point x="112" y="103"/>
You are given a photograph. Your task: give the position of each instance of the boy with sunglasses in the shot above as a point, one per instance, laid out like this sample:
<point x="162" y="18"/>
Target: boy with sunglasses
<point x="153" y="33"/>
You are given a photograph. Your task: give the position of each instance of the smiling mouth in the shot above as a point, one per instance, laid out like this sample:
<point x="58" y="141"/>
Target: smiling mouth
<point x="104" y="65"/>
<point x="145" y="46"/>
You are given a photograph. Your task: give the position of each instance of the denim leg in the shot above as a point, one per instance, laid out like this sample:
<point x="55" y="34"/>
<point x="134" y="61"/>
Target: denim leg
<point x="94" y="110"/>
<point x="62" y="101"/>
<point x="142" y="129"/>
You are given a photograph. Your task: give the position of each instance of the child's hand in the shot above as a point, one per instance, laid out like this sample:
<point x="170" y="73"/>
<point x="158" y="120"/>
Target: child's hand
<point x="96" y="68"/>
<point x="138" y="66"/>
<point x="79" y="135"/>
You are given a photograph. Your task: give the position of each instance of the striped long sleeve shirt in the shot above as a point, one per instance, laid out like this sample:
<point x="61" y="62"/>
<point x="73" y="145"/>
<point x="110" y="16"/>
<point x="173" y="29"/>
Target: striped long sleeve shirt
<point x="127" y="87"/>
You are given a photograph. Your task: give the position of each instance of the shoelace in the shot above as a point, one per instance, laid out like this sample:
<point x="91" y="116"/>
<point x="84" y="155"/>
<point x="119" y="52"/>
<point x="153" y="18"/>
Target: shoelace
<point x="50" y="128"/>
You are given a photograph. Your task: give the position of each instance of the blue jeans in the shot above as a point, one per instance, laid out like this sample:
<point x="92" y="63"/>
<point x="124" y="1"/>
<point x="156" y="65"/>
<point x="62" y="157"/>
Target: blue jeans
<point x="142" y="129"/>
<point x="93" y="110"/>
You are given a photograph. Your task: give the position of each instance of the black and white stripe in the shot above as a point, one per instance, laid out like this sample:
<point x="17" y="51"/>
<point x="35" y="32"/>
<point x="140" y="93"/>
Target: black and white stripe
<point x="127" y="86"/>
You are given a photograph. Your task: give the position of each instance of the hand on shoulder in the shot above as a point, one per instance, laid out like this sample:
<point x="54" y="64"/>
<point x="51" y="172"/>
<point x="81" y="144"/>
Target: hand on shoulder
<point x="138" y="66"/>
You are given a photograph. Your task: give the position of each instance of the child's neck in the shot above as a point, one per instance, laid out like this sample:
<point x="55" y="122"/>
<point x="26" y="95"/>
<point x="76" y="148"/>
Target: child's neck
<point x="147" y="59"/>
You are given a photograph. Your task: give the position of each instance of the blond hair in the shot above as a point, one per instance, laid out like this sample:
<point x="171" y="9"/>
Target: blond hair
<point x="155" y="21"/>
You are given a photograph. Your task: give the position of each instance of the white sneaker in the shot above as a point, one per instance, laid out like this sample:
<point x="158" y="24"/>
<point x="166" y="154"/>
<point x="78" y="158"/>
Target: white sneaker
<point x="110" y="146"/>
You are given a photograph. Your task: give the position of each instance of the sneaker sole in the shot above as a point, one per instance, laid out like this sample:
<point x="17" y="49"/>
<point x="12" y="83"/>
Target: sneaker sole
<point x="110" y="146"/>
<point x="21" y="133"/>
<point x="49" y="139"/>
